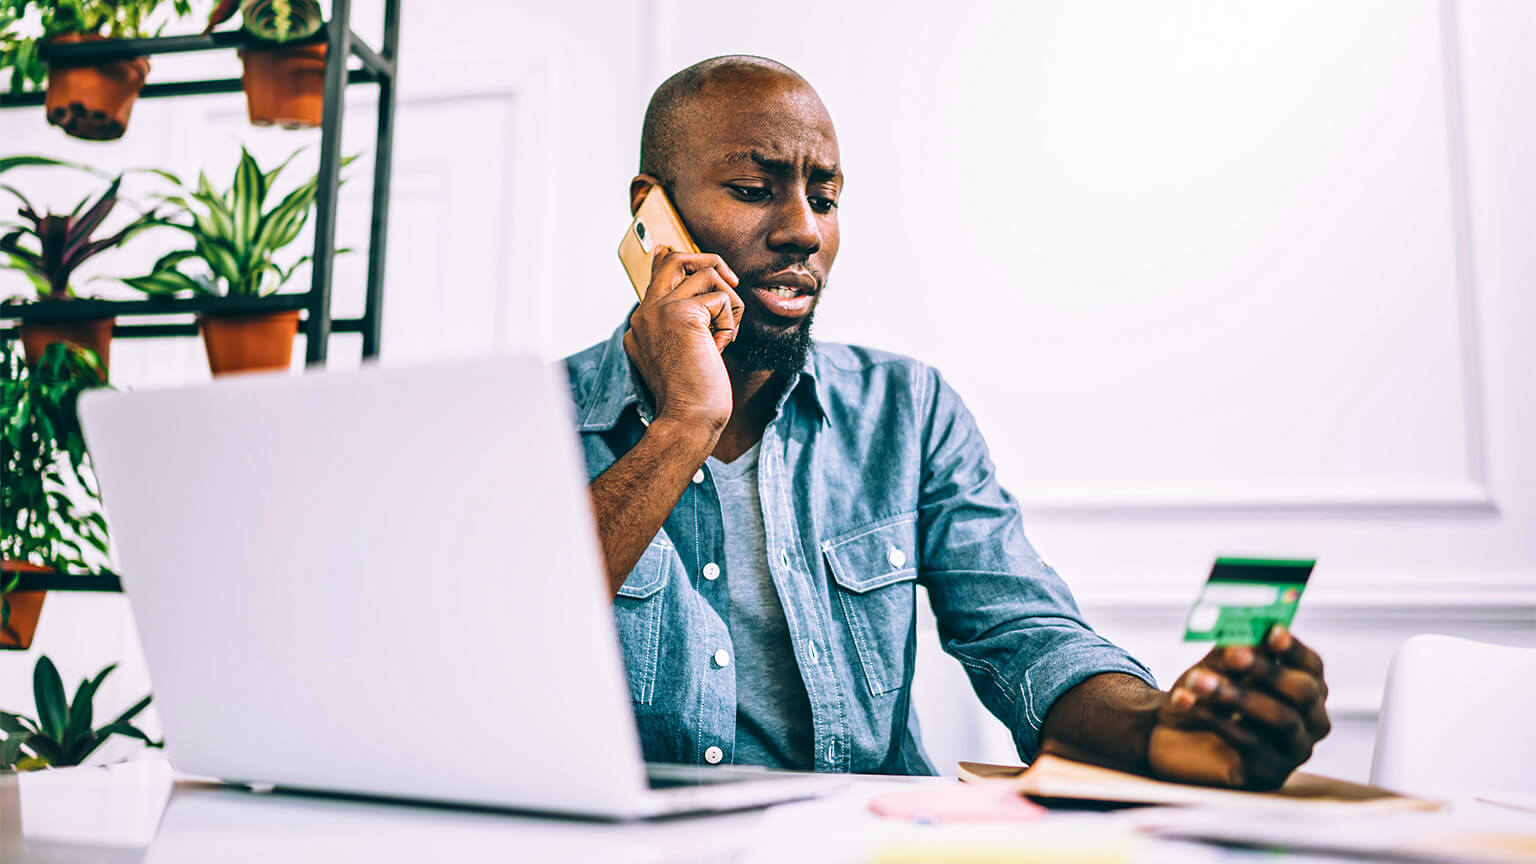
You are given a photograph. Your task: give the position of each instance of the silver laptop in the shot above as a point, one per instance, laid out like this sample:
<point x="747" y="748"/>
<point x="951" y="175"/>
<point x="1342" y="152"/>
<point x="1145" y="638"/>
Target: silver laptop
<point x="385" y="583"/>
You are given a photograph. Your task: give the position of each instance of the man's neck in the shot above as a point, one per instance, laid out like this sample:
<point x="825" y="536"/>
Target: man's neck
<point x="754" y="395"/>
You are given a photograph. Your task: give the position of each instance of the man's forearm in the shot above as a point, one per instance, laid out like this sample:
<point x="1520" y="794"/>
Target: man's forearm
<point x="633" y="498"/>
<point x="1106" y="720"/>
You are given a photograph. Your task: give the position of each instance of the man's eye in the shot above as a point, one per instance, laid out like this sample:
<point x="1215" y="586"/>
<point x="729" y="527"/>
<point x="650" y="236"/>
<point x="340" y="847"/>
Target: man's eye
<point x="750" y="193"/>
<point x="823" y="205"/>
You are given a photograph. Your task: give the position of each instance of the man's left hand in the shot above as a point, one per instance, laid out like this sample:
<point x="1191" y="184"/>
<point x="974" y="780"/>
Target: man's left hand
<point x="1243" y="716"/>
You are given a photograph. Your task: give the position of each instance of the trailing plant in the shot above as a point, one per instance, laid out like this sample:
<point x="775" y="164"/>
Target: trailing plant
<point x="233" y="237"/>
<point x="25" y="24"/>
<point x="49" y="248"/>
<point x="272" y="20"/>
<point x="62" y="733"/>
<point x="49" y="498"/>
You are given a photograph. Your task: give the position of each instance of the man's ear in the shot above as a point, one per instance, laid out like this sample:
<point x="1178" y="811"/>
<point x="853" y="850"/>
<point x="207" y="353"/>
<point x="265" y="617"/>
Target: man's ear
<point x="637" y="189"/>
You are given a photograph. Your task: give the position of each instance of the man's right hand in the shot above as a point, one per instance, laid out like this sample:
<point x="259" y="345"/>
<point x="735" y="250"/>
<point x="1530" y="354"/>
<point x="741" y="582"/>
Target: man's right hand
<point x="691" y="311"/>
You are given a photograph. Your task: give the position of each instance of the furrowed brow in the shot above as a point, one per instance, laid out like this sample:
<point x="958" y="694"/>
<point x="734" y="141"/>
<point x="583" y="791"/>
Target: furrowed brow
<point x="825" y="173"/>
<point x="782" y="167"/>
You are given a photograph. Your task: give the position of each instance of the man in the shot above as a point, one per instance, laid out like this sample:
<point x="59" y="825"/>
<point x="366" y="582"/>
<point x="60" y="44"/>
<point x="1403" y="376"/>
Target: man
<point x="767" y="505"/>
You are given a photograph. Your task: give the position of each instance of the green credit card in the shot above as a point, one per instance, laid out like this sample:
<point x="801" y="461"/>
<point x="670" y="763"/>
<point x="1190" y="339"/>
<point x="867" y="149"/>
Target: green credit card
<point x="1244" y="597"/>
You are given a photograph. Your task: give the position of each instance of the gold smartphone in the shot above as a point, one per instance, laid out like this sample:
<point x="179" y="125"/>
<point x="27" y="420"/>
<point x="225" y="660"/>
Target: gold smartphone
<point x="655" y="224"/>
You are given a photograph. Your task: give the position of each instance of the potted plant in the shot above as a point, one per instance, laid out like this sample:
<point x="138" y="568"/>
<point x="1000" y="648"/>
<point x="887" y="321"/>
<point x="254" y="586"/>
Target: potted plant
<point x="284" y="78"/>
<point x="237" y="242"/>
<point x="44" y="472"/>
<point x="19" y="610"/>
<point x="62" y="732"/>
<point x="48" y="249"/>
<point x="92" y="100"/>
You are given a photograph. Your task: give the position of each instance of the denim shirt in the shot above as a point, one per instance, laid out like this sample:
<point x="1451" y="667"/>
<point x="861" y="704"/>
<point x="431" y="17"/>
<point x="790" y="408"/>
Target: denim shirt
<point x="874" y="480"/>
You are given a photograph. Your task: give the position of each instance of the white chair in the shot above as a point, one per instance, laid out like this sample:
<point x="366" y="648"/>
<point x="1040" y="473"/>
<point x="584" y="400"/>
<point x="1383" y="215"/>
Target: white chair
<point x="1458" y="719"/>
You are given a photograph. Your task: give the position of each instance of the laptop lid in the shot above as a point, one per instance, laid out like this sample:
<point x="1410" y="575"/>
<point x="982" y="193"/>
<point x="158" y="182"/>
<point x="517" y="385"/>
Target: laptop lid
<point x="383" y="582"/>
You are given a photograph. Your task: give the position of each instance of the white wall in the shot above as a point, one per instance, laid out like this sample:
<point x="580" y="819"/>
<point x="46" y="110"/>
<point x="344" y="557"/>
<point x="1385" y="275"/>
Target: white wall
<point x="1230" y="278"/>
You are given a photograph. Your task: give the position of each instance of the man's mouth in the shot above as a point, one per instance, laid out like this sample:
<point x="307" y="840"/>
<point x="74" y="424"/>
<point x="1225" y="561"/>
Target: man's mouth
<point x="786" y="295"/>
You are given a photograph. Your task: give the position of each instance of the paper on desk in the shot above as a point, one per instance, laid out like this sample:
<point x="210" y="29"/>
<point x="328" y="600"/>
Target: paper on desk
<point x="1397" y="835"/>
<point x="933" y="803"/>
<point x="1056" y="777"/>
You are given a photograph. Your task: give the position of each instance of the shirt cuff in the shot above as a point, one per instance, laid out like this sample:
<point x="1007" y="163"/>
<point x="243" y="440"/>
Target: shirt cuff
<point x="1056" y="673"/>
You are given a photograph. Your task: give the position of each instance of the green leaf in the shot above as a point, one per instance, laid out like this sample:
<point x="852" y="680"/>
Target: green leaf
<point x="80" y="716"/>
<point x="280" y="226"/>
<point x="285" y="275"/>
<point x="270" y="178"/>
<point x="133" y="711"/>
<point x="248" y="194"/>
<point x="9" y="162"/>
<point x="49" y="692"/>
<point x="158" y="172"/>
<point x="220" y="259"/>
<point x="220" y="220"/>
<point x="10" y="749"/>
<point x="125" y="729"/>
<point x="47" y="749"/>
<point x="11" y="724"/>
<point x="89" y="745"/>
<point x="26" y="205"/>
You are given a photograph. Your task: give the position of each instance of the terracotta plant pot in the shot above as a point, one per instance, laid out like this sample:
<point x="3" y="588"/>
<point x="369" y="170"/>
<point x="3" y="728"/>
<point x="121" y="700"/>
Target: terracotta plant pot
<point x="249" y="341"/>
<point x="94" y="101"/>
<point x="92" y="333"/>
<point x="285" y="85"/>
<point x="26" y="607"/>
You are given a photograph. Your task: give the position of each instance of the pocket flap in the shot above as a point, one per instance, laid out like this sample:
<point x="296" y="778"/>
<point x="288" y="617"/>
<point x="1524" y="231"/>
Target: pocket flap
<point x="649" y="573"/>
<point x="874" y="556"/>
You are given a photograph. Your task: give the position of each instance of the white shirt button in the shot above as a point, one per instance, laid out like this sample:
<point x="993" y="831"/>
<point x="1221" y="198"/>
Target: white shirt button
<point x="722" y="659"/>
<point x="711" y="571"/>
<point x="784" y="557"/>
<point x="813" y="652"/>
<point x="698" y="476"/>
<point x="897" y="557"/>
<point x="713" y="755"/>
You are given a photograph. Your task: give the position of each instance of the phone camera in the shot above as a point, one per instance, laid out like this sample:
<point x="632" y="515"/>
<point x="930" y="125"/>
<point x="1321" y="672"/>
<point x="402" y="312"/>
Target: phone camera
<point x="643" y="235"/>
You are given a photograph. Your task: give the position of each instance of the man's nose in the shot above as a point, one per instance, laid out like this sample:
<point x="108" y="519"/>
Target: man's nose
<point x="795" y="226"/>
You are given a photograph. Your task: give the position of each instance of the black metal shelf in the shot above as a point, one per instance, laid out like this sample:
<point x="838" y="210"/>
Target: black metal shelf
<point x="75" y="310"/>
<point x="378" y="68"/>
<point x="104" y="580"/>
<point x="177" y="88"/>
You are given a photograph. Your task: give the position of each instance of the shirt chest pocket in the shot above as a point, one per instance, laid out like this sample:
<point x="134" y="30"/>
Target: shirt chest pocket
<point x="875" y="569"/>
<point x="637" y="612"/>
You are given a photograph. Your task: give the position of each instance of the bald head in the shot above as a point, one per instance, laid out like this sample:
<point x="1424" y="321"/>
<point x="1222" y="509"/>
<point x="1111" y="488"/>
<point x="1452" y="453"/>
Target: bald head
<point x="684" y="99"/>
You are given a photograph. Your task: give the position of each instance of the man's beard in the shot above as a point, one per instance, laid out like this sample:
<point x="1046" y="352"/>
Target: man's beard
<point x="762" y="343"/>
<point x="760" y="347"/>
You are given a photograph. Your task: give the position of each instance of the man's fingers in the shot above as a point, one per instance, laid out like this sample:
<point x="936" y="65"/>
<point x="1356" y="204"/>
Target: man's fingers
<point x="705" y="281"/>
<point x="1240" y="662"/>
<point x="1280" y="722"/>
<point x="670" y="268"/>
<point x="702" y="282"/>
<point x="722" y="323"/>
<point x="1258" y="763"/>
<point x="1308" y="695"/>
<point x="1292" y="652"/>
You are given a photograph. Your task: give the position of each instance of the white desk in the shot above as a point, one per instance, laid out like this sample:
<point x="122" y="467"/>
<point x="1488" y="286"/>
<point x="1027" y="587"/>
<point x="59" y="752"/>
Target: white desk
<point x="140" y="812"/>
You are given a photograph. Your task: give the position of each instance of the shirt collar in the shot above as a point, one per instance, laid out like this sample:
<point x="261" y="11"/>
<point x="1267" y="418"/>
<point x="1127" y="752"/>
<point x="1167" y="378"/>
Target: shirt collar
<point x="617" y="386"/>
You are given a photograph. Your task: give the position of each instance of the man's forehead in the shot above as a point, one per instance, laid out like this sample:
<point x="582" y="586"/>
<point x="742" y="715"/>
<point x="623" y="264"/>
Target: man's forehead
<point x="782" y="122"/>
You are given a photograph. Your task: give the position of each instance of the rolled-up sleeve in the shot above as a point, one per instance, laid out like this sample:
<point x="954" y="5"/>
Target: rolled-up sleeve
<point x="1001" y="611"/>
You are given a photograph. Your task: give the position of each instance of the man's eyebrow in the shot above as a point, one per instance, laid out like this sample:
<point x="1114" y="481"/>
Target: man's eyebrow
<point x="820" y="172"/>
